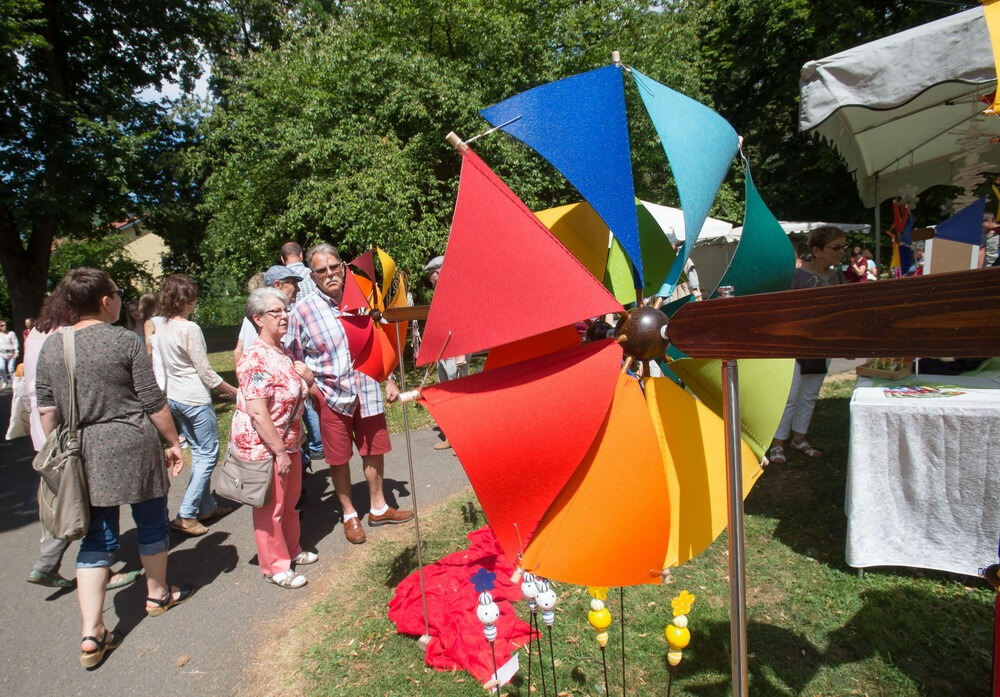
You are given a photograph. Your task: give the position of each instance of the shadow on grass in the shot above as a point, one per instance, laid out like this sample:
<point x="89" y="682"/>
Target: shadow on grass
<point x="806" y="495"/>
<point x="782" y="662"/>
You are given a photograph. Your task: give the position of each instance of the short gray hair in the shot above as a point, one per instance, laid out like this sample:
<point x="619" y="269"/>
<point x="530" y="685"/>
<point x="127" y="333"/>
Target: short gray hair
<point x="259" y="299"/>
<point x="321" y="248"/>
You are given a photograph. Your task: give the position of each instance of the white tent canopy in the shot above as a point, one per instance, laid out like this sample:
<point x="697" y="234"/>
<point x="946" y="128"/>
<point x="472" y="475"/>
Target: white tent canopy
<point x="905" y="111"/>
<point x="671" y="221"/>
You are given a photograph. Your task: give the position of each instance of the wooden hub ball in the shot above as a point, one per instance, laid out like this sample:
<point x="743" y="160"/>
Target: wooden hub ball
<point x="644" y="333"/>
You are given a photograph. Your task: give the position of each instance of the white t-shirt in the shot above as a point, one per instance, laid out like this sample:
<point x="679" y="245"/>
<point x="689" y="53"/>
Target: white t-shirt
<point x="8" y="345"/>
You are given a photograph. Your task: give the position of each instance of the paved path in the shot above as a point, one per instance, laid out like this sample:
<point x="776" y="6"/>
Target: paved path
<point x="218" y="629"/>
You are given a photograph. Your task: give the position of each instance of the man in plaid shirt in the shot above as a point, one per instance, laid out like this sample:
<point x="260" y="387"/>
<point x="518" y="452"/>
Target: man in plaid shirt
<point x="349" y="403"/>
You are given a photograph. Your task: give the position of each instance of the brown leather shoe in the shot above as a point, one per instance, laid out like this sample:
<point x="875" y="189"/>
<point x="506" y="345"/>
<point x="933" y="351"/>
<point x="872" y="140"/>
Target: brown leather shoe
<point x="353" y="531"/>
<point x="391" y="517"/>
<point x="189" y="526"/>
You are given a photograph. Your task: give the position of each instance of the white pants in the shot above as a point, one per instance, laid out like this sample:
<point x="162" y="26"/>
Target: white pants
<point x="800" y="405"/>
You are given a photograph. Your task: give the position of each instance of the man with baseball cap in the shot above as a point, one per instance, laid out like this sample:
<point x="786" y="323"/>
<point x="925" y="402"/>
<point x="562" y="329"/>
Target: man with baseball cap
<point x="285" y="280"/>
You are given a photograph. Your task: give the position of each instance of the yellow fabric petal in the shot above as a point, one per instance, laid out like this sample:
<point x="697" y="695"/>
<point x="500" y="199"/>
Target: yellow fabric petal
<point x="692" y="440"/>
<point x="582" y="232"/>
<point x="388" y="272"/>
<point x="991" y="9"/>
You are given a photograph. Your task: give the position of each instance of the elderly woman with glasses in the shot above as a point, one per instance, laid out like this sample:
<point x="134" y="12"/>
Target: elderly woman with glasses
<point x="268" y="423"/>
<point x="122" y="416"/>
<point x="827" y="245"/>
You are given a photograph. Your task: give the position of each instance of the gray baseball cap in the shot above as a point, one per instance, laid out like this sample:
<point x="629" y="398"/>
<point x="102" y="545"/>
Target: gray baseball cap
<point x="434" y="264"/>
<point x="279" y="273"/>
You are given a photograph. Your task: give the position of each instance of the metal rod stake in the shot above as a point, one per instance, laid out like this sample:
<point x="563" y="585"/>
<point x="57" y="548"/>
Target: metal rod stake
<point x="426" y="638"/>
<point x="737" y="565"/>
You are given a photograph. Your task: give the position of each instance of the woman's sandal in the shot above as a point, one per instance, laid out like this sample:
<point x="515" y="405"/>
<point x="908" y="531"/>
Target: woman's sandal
<point x="776" y="455"/>
<point x="91" y="659"/>
<point x="806" y="449"/>
<point x="168" y="601"/>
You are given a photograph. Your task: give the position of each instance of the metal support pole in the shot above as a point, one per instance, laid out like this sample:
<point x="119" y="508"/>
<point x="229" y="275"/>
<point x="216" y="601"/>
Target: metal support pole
<point x="878" y="228"/>
<point x="426" y="638"/>
<point x="737" y="566"/>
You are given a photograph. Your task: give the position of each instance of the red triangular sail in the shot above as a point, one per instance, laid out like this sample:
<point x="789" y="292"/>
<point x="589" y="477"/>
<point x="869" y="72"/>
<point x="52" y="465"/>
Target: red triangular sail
<point x="494" y="233"/>
<point x="510" y="428"/>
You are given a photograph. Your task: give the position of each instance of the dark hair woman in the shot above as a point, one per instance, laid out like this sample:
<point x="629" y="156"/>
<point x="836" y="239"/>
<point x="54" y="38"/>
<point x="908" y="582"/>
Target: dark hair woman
<point x="122" y="415"/>
<point x="190" y="380"/>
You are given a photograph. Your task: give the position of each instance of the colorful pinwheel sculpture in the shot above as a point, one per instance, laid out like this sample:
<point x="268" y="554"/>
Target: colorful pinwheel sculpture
<point x="591" y="474"/>
<point x="587" y="474"/>
<point x="373" y="343"/>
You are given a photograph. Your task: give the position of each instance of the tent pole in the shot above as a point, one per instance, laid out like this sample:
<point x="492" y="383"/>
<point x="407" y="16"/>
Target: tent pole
<point x="878" y="228"/>
<point x="734" y="481"/>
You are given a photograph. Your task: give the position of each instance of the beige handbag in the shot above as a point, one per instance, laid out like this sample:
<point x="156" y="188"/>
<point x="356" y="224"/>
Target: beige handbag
<point x="249" y="481"/>
<point x="63" y="497"/>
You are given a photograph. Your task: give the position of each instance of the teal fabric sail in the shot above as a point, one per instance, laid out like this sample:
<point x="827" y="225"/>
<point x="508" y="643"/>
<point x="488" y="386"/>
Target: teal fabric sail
<point x="578" y="124"/>
<point x="765" y="260"/>
<point x="700" y="145"/>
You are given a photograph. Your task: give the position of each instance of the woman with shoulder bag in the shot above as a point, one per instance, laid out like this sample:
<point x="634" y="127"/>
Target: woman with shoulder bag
<point x="121" y="416"/>
<point x="827" y="244"/>
<point x="268" y="424"/>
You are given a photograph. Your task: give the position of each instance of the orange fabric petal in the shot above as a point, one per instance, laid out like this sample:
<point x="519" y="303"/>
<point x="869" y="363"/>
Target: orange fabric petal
<point x="532" y="347"/>
<point x="610" y="525"/>
<point x="521" y="431"/>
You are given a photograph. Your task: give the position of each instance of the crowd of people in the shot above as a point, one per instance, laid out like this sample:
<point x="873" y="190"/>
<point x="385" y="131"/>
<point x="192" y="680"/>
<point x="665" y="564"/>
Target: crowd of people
<point x="143" y="394"/>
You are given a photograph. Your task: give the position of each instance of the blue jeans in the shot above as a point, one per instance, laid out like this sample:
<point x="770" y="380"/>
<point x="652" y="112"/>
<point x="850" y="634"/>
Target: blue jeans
<point x="314" y="442"/>
<point x="100" y="545"/>
<point x="198" y="425"/>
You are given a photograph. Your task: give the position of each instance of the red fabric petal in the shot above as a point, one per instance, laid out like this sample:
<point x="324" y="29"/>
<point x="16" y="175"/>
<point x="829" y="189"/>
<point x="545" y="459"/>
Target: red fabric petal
<point x="353" y="298"/>
<point x="451" y="609"/>
<point x="477" y="298"/>
<point x="366" y="263"/>
<point x="532" y="347"/>
<point x="360" y="335"/>
<point x="522" y="430"/>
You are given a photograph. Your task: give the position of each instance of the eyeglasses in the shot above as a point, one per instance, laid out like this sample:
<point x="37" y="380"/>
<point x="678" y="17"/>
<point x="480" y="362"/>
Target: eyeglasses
<point x="119" y="292"/>
<point x="329" y="269"/>
<point x="277" y="312"/>
<point x="837" y="247"/>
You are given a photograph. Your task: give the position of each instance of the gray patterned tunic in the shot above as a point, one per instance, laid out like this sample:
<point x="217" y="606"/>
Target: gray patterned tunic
<point x="115" y="391"/>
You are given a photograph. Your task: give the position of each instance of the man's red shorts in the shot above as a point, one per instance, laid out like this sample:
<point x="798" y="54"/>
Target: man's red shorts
<point x="338" y="431"/>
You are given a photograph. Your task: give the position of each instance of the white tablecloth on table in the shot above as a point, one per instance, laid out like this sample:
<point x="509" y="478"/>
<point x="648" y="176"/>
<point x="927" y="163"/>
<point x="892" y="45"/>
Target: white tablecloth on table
<point x="923" y="477"/>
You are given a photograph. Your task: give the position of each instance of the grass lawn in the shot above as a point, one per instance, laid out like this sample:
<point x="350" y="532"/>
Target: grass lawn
<point x="815" y="627"/>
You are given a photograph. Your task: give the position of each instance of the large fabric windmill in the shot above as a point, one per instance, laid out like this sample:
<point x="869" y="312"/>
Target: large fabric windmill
<point x="589" y="471"/>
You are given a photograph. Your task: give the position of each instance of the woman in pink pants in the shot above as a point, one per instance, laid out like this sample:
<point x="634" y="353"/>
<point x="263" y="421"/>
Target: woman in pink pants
<point x="268" y="423"/>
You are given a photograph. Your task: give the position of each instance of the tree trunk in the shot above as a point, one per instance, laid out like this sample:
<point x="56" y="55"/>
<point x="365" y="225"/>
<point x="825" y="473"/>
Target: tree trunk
<point x="26" y="269"/>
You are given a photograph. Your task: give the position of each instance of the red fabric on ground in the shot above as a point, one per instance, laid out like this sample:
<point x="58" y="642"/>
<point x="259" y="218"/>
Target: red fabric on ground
<point x="458" y="641"/>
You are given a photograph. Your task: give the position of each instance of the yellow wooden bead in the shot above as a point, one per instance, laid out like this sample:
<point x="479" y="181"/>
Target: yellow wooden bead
<point x="599" y="619"/>
<point x="673" y="657"/>
<point x="677" y="637"/>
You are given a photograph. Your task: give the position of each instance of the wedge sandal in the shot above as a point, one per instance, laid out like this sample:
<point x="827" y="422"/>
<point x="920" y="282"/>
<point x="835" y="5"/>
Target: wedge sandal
<point x="92" y="659"/>
<point x="776" y="455"/>
<point x="168" y="601"/>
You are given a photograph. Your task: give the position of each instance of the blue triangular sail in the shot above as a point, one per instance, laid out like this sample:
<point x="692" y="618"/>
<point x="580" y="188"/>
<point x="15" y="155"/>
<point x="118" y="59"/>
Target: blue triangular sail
<point x="965" y="226"/>
<point x="700" y="145"/>
<point x="906" y="258"/>
<point x="578" y="124"/>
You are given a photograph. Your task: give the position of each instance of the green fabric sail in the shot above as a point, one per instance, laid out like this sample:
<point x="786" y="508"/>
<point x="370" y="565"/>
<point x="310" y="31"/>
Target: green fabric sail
<point x="657" y="258"/>
<point x="764" y="385"/>
<point x="764" y="260"/>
